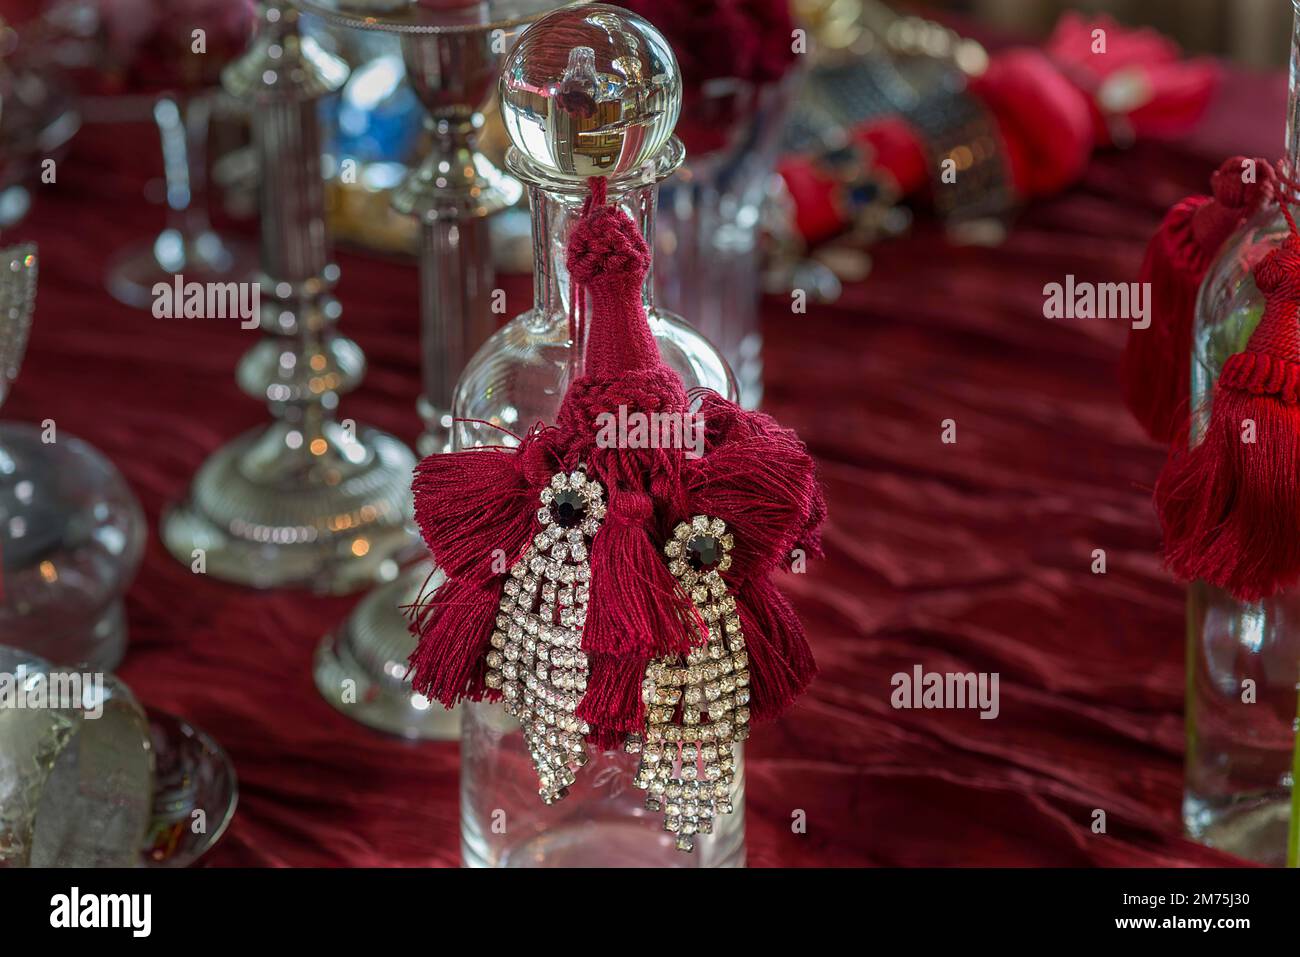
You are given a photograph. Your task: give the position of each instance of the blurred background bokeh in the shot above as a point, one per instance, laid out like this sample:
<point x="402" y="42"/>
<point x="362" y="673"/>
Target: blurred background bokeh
<point x="1251" y="32"/>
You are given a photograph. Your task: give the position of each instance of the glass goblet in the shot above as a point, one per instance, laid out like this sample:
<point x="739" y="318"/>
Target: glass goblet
<point x="188" y="245"/>
<point x="177" y="53"/>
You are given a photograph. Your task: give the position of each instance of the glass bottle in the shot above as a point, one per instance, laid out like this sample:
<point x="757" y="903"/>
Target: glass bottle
<point x="517" y="379"/>
<point x="1243" y="658"/>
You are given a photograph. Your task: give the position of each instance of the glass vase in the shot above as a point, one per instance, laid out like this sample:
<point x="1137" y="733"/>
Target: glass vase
<point x="517" y="379"/>
<point x="1243" y="658"/>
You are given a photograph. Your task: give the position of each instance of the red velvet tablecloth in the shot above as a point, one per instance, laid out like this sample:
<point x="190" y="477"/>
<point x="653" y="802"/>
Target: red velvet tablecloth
<point x="973" y="556"/>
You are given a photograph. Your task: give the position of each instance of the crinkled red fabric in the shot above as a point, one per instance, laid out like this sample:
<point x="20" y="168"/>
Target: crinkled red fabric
<point x="968" y="556"/>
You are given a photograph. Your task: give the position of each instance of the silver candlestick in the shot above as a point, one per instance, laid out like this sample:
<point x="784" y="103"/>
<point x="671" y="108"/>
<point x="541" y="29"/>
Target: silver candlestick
<point x="307" y="500"/>
<point x="452" y="56"/>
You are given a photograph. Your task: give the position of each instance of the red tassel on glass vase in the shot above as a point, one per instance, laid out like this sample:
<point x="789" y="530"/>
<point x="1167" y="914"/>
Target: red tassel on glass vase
<point x="1229" y="503"/>
<point x="638" y="633"/>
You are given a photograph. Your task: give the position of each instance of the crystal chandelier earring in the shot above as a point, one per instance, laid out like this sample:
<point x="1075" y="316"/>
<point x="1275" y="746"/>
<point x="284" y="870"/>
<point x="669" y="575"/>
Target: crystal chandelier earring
<point x="306" y="500"/>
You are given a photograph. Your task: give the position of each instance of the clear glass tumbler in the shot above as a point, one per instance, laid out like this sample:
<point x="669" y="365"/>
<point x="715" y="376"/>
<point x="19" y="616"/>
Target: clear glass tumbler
<point x="708" y="245"/>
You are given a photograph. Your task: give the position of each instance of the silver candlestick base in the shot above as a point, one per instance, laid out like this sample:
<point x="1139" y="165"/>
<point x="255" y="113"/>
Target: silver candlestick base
<point x="361" y="667"/>
<point x="307" y="500"/>
<point x="452" y="57"/>
<point x="261" y="514"/>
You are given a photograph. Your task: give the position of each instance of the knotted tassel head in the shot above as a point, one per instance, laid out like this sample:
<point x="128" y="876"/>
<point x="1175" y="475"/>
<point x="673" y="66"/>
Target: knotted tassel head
<point x="637" y="610"/>
<point x="608" y="259"/>
<point x="1228" y="505"/>
<point x="1156" y="368"/>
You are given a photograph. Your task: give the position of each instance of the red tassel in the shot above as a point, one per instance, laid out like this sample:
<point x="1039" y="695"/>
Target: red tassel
<point x="636" y="606"/>
<point x="612" y="706"/>
<point x="756" y="476"/>
<point x="780" y="662"/>
<point x="1229" y="505"/>
<point x="455" y="630"/>
<point x="636" y="610"/>
<point x="475" y="508"/>
<point x="764" y="487"/>
<point x="1156" y="368"/>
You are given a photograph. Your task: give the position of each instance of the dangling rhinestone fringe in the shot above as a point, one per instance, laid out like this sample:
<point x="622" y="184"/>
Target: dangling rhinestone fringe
<point x="536" y="659"/>
<point x="697" y="707"/>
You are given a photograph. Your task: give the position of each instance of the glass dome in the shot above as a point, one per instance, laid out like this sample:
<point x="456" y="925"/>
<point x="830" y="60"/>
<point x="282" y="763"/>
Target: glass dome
<point x="71" y="536"/>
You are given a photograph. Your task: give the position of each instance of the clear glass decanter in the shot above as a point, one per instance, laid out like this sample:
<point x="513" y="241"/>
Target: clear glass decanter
<point x="1243" y="658"/>
<point x="518" y="379"/>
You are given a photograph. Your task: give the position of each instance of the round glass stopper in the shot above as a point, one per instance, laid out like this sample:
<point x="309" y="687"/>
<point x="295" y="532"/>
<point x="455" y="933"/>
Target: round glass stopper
<point x="590" y="91"/>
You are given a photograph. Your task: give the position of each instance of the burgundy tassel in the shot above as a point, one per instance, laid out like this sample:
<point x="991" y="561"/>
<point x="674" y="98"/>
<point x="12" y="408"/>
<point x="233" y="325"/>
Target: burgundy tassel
<point x="780" y="661"/>
<point x="612" y="705"/>
<point x="1156" y="368"/>
<point x="475" y="508"/>
<point x="456" y="628"/>
<point x="636" y="607"/>
<point x="1229" y="504"/>
<point x="754" y="475"/>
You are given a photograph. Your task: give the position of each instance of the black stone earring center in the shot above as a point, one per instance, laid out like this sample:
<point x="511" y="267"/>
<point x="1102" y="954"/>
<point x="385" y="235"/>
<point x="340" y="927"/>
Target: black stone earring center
<point x="703" y="552"/>
<point x="568" y="508"/>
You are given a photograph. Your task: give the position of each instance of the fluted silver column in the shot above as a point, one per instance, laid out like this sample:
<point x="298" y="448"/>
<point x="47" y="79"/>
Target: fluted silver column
<point x="452" y="58"/>
<point x="308" y="499"/>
